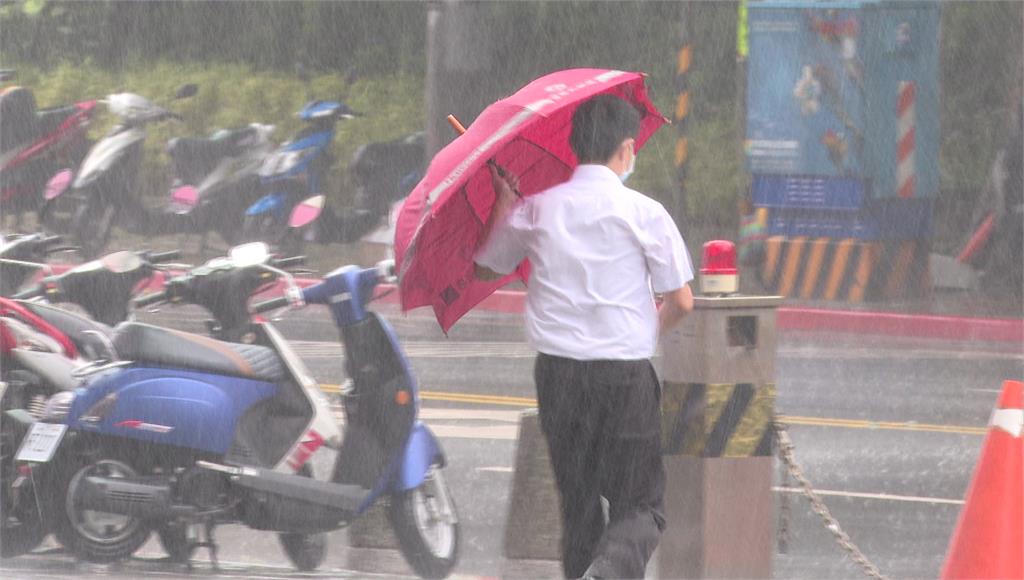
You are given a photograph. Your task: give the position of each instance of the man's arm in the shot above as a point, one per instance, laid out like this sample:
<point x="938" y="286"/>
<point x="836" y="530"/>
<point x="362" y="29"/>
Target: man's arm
<point x="674" y="307"/>
<point x="505" y="199"/>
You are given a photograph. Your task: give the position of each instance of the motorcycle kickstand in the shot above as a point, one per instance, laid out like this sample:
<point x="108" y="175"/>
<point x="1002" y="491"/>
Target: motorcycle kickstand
<point x="209" y="544"/>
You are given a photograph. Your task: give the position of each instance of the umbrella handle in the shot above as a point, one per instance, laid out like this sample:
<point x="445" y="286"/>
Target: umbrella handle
<point x="461" y="129"/>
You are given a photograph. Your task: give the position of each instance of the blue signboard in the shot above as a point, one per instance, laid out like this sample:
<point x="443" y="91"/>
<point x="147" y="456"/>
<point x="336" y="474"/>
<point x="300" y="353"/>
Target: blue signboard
<point x="845" y="90"/>
<point x="805" y="115"/>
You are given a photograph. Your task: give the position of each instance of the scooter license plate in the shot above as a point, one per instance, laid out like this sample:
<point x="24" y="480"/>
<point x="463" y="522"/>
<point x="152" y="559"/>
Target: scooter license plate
<point x="41" y="442"/>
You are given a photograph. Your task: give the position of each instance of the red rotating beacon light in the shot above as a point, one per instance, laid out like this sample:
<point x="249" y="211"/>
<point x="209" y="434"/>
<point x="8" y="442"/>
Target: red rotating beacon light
<point x="719" y="274"/>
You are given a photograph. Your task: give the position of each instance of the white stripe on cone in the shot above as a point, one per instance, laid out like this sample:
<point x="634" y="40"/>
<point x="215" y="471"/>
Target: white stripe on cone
<point x="1009" y="420"/>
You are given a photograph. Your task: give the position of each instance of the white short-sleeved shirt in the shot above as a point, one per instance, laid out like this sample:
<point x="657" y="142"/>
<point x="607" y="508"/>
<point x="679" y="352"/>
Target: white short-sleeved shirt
<point x="597" y="250"/>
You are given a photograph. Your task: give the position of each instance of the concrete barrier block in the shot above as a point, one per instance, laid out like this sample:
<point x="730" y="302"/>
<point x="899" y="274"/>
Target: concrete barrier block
<point x="373" y="529"/>
<point x="534" y="528"/>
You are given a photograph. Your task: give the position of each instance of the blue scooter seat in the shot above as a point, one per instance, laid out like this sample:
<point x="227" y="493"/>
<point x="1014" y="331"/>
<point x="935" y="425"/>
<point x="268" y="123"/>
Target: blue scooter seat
<point x="145" y="343"/>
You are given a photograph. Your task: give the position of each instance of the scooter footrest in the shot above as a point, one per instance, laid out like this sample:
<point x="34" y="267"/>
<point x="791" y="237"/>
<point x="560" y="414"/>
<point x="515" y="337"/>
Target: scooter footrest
<point x="331" y="495"/>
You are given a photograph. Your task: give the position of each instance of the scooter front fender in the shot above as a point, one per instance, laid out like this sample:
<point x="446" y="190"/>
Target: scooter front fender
<point x="271" y="203"/>
<point x="422" y="451"/>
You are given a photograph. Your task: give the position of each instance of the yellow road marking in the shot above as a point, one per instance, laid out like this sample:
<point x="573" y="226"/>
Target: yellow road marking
<point x="787" y="419"/>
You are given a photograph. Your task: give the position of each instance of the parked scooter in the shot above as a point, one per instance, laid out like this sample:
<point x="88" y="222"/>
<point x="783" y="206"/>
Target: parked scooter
<point x="103" y="287"/>
<point x="41" y="347"/>
<point x="383" y="174"/>
<point x="34" y="144"/>
<point x="215" y="180"/>
<point x="182" y="430"/>
<point x="22" y="256"/>
<point x="104" y="189"/>
<point x="32" y="353"/>
<point x="295" y="171"/>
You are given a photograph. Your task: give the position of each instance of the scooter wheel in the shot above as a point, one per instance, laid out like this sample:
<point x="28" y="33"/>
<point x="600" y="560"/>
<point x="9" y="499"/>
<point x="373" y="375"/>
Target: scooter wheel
<point x="97" y="536"/>
<point x="426" y="525"/>
<point x="21" y="529"/>
<point x="20" y="537"/>
<point x="177" y="540"/>
<point x="306" y="551"/>
<point x="91" y="227"/>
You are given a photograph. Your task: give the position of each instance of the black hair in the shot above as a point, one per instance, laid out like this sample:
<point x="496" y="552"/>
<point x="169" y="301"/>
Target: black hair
<point x="600" y="125"/>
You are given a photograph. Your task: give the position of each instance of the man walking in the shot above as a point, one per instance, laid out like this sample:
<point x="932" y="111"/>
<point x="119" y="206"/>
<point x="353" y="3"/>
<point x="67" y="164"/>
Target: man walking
<point x="599" y="252"/>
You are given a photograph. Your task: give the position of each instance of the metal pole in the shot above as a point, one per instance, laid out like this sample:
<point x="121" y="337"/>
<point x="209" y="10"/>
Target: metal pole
<point x="682" y="113"/>
<point x="434" y="126"/>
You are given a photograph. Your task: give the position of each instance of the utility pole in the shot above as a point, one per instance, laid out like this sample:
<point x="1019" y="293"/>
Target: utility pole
<point x="462" y="67"/>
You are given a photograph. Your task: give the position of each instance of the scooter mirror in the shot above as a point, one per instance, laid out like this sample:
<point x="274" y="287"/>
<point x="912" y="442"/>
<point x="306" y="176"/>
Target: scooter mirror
<point x="186" y="91"/>
<point x="120" y="262"/>
<point x="58" y="184"/>
<point x="307" y="211"/>
<point x="251" y="254"/>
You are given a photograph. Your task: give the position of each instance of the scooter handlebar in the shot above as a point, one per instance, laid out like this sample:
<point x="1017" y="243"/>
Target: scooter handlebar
<point x="268" y="305"/>
<point x="33" y="292"/>
<point x="284" y="263"/>
<point x="154" y="298"/>
<point x="161" y="257"/>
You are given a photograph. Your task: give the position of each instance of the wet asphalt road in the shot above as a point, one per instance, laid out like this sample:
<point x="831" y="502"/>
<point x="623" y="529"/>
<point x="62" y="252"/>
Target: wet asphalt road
<point x="888" y="429"/>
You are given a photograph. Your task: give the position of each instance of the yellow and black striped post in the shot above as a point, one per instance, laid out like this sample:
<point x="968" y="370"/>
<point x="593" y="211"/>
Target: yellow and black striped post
<point x="717" y="420"/>
<point x="682" y="113"/>
<point x="846" y="269"/>
<point x="718" y="401"/>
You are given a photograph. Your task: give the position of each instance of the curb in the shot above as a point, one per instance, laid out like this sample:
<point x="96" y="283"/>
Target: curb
<point x="790" y="318"/>
<point x="797" y="318"/>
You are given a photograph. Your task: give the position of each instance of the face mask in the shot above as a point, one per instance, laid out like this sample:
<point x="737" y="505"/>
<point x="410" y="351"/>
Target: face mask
<point x="629" y="170"/>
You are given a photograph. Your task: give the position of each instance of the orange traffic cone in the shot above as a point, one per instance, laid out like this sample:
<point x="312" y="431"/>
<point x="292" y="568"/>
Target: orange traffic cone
<point x="989" y="538"/>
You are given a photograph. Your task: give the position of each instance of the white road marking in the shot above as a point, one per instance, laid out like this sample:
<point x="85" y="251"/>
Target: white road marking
<point x="517" y="350"/>
<point x="497" y="469"/>
<point x="499" y="432"/>
<point x="879" y="496"/>
<point x="442" y="413"/>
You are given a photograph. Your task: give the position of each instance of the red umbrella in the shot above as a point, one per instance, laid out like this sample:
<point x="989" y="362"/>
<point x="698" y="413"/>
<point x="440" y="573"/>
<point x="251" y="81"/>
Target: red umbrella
<point x="527" y="134"/>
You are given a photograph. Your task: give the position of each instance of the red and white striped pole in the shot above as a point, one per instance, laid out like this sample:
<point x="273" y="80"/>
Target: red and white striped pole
<point x="905" y="170"/>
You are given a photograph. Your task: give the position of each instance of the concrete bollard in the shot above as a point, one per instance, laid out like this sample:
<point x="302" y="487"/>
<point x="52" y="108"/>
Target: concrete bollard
<point x="717" y="406"/>
<point x="372" y="546"/>
<point x="534" y="528"/>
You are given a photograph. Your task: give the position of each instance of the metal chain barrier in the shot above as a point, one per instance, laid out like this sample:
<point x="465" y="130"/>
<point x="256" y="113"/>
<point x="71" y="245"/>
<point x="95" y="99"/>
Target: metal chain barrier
<point x="786" y="453"/>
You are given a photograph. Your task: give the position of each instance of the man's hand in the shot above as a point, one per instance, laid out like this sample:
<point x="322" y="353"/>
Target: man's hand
<point x="506" y="192"/>
<point x="674" y="307"/>
<point x="506" y="187"/>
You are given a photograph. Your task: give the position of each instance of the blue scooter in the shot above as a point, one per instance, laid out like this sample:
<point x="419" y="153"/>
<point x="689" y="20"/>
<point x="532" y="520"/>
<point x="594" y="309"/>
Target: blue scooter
<point x="295" y="171"/>
<point x="179" y="432"/>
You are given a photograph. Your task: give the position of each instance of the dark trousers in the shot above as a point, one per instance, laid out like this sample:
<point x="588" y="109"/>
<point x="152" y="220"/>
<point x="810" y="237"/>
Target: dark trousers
<point x="602" y="423"/>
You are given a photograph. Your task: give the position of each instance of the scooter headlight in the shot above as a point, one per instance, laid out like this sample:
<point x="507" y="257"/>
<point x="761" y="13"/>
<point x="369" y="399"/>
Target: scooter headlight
<point x="58" y="406"/>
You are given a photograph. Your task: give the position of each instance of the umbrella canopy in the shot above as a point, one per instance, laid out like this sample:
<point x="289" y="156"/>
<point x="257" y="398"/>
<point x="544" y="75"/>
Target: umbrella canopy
<point x="441" y="221"/>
